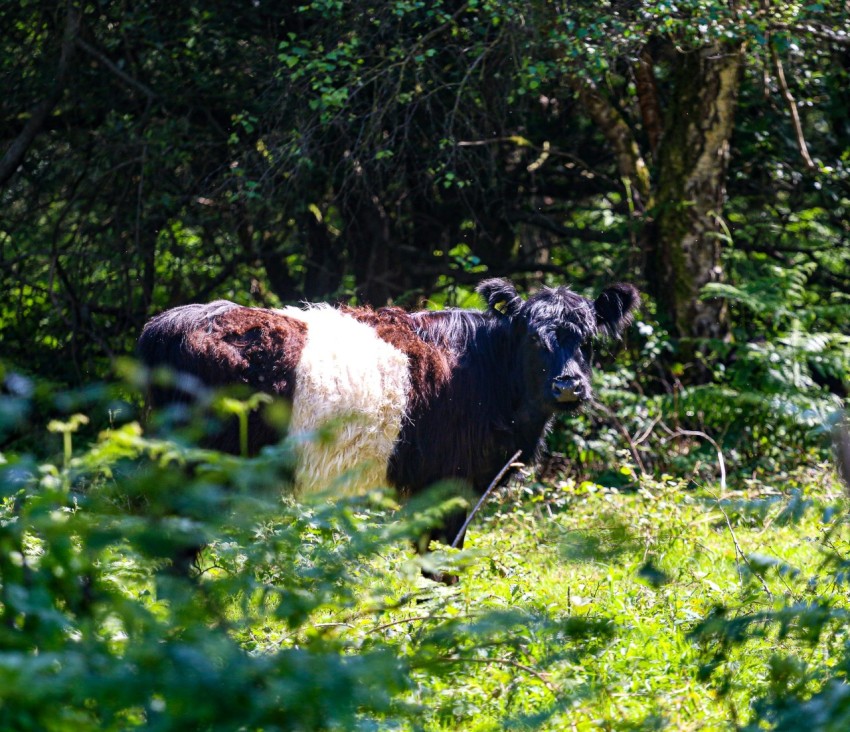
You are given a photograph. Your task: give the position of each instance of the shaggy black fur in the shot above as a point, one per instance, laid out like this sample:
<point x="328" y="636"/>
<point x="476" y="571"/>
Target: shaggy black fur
<point x="500" y="397"/>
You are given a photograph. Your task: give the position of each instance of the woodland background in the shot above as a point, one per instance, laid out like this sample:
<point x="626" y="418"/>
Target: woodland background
<point x="389" y="152"/>
<point x="155" y="154"/>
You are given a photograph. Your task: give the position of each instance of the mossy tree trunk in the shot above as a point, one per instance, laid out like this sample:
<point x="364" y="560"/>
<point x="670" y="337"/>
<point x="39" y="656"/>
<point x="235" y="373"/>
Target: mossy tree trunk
<point x="675" y="174"/>
<point x="684" y="239"/>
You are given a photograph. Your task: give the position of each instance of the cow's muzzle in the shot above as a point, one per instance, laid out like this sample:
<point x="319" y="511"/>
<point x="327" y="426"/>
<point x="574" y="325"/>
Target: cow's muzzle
<point x="569" y="390"/>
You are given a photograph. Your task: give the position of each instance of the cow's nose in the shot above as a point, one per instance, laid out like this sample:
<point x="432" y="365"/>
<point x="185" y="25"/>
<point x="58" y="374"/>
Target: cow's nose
<point x="568" y="389"/>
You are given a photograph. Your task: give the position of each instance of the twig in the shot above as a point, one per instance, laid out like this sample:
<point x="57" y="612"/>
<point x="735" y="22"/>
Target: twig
<point x="740" y="553"/>
<point x="483" y="498"/>
<point x="414" y="619"/>
<point x="625" y="433"/>
<point x="648" y="431"/>
<point x="506" y="662"/>
<point x="696" y="433"/>
<point x="792" y="108"/>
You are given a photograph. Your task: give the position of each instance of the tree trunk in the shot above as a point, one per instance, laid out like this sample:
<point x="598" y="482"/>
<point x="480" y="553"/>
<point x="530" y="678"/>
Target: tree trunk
<point x="681" y="199"/>
<point x="684" y="242"/>
<point x="324" y="259"/>
<point x="366" y="235"/>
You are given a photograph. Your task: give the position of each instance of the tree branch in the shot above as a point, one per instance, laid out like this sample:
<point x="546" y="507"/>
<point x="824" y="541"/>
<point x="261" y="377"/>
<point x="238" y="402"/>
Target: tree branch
<point x="630" y="162"/>
<point x="123" y="75"/>
<point x="792" y="108"/>
<point x="16" y="152"/>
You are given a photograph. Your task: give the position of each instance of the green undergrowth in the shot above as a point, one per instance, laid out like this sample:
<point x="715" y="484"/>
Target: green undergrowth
<point x="663" y="605"/>
<point x="647" y="587"/>
<point x="671" y="570"/>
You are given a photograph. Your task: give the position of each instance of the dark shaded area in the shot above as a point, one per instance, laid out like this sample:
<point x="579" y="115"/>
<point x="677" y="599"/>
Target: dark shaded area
<point x="158" y="156"/>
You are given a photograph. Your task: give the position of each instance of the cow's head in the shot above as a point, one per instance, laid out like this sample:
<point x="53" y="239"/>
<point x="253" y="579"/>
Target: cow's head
<point x="554" y="330"/>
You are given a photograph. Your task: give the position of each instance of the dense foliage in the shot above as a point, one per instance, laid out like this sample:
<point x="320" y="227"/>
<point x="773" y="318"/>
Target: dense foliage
<point x="155" y="155"/>
<point x="583" y="605"/>
<point x="679" y="559"/>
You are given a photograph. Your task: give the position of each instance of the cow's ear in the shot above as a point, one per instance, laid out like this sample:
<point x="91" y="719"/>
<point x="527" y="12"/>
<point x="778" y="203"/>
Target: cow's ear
<point x="501" y="296"/>
<point x="615" y="308"/>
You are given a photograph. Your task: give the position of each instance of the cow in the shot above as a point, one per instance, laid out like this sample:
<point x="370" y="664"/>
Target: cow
<point x="415" y="397"/>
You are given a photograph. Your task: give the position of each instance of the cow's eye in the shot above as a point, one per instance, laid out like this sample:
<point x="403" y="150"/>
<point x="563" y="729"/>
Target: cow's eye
<point x="567" y="341"/>
<point x="540" y="341"/>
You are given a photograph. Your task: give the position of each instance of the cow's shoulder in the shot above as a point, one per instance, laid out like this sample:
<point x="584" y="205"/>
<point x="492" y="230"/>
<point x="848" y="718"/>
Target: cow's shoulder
<point x="430" y="366"/>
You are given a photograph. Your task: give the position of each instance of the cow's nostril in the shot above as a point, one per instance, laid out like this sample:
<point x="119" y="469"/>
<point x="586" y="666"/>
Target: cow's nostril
<point x="567" y="390"/>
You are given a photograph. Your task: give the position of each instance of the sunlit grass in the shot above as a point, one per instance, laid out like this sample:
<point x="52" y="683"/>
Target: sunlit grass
<point x="579" y="607"/>
<point x="645" y="566"/>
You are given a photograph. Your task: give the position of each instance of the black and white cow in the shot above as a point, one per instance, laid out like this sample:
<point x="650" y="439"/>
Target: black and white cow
<point x="419" y="397"/>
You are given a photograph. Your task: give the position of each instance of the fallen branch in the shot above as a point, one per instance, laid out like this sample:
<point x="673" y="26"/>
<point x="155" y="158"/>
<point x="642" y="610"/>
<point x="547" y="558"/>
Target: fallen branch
<point x="507" y="466"/>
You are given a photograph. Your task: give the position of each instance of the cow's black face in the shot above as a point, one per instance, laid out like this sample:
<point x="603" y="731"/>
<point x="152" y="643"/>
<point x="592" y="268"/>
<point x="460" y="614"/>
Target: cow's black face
<point x="557" y="369"/>
<point x="570" y="386"/>
<point x="556" y="328"/>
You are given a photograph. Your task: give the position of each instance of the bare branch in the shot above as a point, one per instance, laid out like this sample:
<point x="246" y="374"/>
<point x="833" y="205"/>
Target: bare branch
<point x="624" y="432"/>
<point x="508" y="465"/>
<point x="696" y="433"/>
<point x="630" y="162"/>
<point x="16" y="152"/>
<point x="739" y="553"/>
<point x="792" y="108"/>
<point x="123" y="75"/>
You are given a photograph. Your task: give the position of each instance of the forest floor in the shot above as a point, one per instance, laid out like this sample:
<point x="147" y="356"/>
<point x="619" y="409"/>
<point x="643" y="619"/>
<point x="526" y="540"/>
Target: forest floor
<point x="659" y="607"/>
<point x="664" y="605"/>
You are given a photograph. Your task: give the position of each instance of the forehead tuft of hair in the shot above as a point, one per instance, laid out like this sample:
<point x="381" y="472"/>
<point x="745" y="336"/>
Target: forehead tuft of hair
<point x="561" y="309"/>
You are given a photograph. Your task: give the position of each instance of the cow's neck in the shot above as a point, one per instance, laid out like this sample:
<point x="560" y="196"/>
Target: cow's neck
<point x="530" y="425"/>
